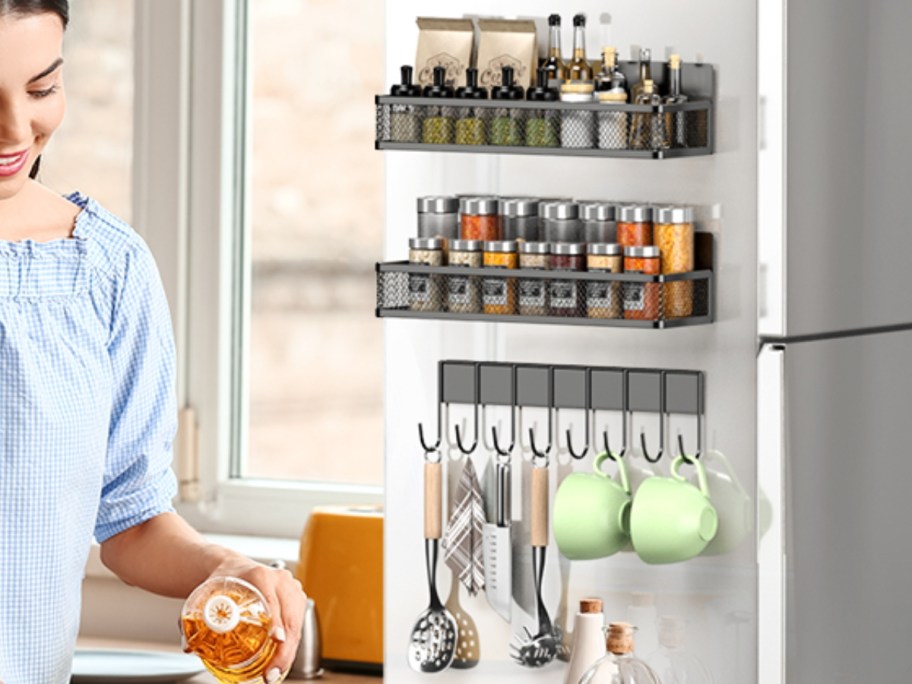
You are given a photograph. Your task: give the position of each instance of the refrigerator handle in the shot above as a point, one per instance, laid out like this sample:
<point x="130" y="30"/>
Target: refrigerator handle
<point x="771" y="514"/>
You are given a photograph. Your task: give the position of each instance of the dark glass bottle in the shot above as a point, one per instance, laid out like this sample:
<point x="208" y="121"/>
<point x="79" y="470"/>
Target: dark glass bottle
<point x="554" y="62"/>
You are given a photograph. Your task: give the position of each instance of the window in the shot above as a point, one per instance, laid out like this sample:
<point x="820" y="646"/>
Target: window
<point x="93" y="150"/>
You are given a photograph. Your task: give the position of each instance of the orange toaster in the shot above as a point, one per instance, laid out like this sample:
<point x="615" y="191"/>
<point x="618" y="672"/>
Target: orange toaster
<point x="341" y="569"/>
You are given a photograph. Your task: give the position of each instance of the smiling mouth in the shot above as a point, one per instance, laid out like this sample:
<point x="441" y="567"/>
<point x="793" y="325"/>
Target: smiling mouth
<point x="11" y="164"/>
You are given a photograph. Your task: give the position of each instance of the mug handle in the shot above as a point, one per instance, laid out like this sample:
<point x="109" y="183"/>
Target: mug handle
<point x="622" y="469"/>
<point x="701" y="474"/>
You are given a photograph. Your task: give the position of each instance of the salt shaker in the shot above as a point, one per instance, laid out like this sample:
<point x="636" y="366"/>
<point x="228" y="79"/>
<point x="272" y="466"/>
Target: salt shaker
<point x="306" y="664"/>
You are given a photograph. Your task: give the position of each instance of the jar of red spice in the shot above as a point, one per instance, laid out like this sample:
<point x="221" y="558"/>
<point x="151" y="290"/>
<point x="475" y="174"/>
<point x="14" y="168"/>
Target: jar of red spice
<point x="642" y="301"/>
<point x="567" y="296"/>
<point x="479" y="218"/>
<point x="634" y="225"/>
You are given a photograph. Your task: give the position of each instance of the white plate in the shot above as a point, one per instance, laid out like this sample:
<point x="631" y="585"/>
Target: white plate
<point x="110" y="666"/>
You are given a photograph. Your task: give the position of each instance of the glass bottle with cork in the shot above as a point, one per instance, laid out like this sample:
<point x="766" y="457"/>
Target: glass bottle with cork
<point x="437" y="127"/>
<point x="611" y="90"/>
<point x="619" y="665"/>
<point x="405" y="123"/>
<point x="506" y="126"/>
<point x="675" y="132"/>
<point x="554" y="65"/>
<point x="645" y="73"/>
<point x="227" y="623"/>
<point x="647" y="129"/>
<point x="579" y="68"/>
<point x="471" y="127"/>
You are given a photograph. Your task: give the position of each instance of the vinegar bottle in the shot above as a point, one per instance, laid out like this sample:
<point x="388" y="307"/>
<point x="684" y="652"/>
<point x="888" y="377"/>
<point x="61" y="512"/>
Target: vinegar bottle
<point x="226" y="622"/>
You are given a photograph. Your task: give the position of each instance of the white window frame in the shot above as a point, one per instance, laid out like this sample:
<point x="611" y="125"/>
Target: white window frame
<point x="189" y="154"/>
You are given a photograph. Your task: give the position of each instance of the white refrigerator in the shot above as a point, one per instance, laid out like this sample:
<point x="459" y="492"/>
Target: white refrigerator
<point x="808" y="385"/>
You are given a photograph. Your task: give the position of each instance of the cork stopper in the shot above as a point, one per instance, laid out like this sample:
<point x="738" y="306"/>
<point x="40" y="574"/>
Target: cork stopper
<point x="591" y="605"/>
<point x="620" y="638"/>
<point x="674" y="61"/>
<point x="648" y="85"/>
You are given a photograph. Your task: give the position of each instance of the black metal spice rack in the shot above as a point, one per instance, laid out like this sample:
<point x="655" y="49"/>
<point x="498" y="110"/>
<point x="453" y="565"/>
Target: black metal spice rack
<point x="576" y="134"/>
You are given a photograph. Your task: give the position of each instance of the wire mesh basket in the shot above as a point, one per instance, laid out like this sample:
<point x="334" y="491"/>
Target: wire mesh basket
<point x="408" y="290"/>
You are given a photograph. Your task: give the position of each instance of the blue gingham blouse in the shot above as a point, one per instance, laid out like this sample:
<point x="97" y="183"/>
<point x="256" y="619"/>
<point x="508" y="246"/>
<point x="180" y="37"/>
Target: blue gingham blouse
<point x="87" y="418"/>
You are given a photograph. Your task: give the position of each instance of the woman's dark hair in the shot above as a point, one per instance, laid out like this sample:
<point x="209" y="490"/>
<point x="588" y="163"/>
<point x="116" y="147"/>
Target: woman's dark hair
<point x="23" y="7"/>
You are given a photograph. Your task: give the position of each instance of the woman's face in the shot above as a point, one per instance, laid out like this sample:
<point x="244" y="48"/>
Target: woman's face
<point x="31" y="93"/>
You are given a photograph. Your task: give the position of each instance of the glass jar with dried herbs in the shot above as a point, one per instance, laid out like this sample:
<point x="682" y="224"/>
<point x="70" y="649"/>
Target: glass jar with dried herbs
<point x="507" y="121"/>
<point x="533" y="292"/>
<point x="543" y="125"/>
<point x="604" y="299"/>
<point x="425" y="289"/>
<point x="499" y="293"/>
<point x="471" y="122"/>
<point x="405" y="121"/>
<point x="464" y="291"/>
<point x="439" y="114"/>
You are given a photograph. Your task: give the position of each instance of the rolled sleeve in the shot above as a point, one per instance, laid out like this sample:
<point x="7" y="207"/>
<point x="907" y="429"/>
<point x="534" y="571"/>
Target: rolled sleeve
<point x="139" y="482"/>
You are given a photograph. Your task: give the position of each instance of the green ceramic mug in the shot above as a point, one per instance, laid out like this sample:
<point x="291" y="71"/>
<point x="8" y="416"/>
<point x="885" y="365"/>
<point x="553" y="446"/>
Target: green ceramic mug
<point x="671" y="520"/>
<point x="591" y="511"/>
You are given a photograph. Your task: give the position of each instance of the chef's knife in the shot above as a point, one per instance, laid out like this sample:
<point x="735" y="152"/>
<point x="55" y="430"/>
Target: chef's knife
<point x="498" y="551"/>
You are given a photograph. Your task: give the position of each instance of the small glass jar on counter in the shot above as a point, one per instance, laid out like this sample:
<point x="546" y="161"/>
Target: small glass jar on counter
<point x="604" y="299"/>
<point x="438" y="217"/>
<point x="577" y="125"/>
<point x="674" y="236"/>
<point x="634" y="225"/>
<point x="464" y="292"/>
<point x="499" y="294"/>
<point x="642" y="301"/>
<point x="533" y="292"/>
<point x="479" y="218"/>
<point x="519" y="218"/>
<point x="598" y="222"/>
<point x="471" y="122"/>
<point x="566" y="296"/>
<point x="560" y="222"/>
<point x="425" y="289"/>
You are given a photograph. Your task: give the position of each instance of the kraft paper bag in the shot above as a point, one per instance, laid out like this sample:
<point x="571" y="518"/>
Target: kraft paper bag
<point x="447" y="43"/>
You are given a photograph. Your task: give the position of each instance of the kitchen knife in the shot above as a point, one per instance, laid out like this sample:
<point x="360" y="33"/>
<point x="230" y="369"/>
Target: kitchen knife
<point x="498" y="551"/>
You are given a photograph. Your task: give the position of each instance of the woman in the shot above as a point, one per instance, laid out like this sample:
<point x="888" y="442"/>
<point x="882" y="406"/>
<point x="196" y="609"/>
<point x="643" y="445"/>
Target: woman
<point x="87" y="393"/>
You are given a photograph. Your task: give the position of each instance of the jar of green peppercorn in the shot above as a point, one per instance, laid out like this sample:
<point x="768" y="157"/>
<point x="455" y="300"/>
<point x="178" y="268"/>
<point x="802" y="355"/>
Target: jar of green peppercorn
<point x="439" y="115"/>
<point x="471" y="122"/>
<point x="507" y="121"/>
<point x="543" y="125"/>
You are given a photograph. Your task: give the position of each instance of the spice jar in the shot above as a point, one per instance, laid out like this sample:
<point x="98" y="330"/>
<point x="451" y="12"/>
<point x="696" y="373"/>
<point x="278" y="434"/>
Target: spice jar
<point x="425" y="289"/>
<point x="674" y="236"/>
<point x="634" y="225"/>
<point x="533" y="292"/>
<point x="598" y="222"/>
<point x="499" y="294"/>
<point x="542" y="125"/>
<point x="464" y="292"/>
<point x="642" y="301"/>
<point x="604" y="299"/>
<point x="405" y="123"/>
<point x="519" y="218"/>
<point x="437" y="127"/>
<point x="566" y="296"/>
<point x="479" y="218"/>
<point x="560" y="222"/>
<point x="578" y="124"/>
<point x="470" y="121"/>
<point x="506" y="126"/>
<point x="438" y="217"/>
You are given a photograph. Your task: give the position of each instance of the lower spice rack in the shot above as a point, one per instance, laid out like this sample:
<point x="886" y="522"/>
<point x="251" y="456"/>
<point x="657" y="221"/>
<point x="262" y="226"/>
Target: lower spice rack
<point x="629" y="300"/>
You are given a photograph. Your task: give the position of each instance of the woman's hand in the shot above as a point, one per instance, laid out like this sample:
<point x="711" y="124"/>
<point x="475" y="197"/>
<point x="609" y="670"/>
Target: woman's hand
<point x="286" y="600"/>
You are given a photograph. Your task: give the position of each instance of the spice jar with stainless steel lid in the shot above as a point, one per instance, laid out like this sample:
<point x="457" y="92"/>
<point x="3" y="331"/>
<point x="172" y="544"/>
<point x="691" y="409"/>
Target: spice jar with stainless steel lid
<point x="464" y="291"/>
<point x="598" y="221"/>
<point x="519" y="218"/>
<point x="673" y="233"/>
<point x="634" y="225"/>
<point x="479" y="218"/>
<point x="566" y="296"/>
<point x="438" y="217"/>
<point x="533" y="292"/>
<point x="604" y="299"/>
<point x="560" y="222"/>
<point x="425" y="289"/>
<point x="642" y="301"/>
<point x="499" y="294"/>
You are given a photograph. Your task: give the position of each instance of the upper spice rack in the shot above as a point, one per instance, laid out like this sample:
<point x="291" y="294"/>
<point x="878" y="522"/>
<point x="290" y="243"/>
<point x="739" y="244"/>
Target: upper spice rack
<point x="590" y="129"/>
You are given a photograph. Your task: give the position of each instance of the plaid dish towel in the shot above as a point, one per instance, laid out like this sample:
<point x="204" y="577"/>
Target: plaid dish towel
<point x="462" y="541"/>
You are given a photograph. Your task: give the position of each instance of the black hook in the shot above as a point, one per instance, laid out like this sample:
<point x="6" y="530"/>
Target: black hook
<point x="509" y="449"/>
<point x="477" y="400"/>
<point x="655" y="459"/>
<point x="690" y="460"/>
<point x="624" y="419"/>
<point x="536" y="450"/>
<point x="436" y="446"/>
<point x="588" y="403"/>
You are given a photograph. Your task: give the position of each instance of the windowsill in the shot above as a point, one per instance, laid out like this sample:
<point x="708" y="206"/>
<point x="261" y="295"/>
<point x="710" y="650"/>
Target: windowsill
<point x="262" y="549"/>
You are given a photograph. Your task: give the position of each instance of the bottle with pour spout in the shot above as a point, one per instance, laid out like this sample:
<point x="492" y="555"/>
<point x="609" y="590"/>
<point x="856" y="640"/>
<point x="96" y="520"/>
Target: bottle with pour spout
<point x="226" y="622"/>
<point x="619" y="665"/>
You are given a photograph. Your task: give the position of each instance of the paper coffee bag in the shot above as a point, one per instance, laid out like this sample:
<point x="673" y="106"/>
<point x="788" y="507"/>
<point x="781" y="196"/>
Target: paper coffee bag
<point x="447" y="43"/>
<point x="506" y="42"/>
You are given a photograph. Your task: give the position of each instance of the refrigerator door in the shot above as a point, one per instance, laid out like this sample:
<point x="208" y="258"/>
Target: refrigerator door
<point x="834" y="149"/>
<point x="834" y="475"/>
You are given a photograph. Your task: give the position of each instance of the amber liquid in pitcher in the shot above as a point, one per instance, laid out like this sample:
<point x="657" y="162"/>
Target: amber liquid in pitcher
<point x="231" y="635"/>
